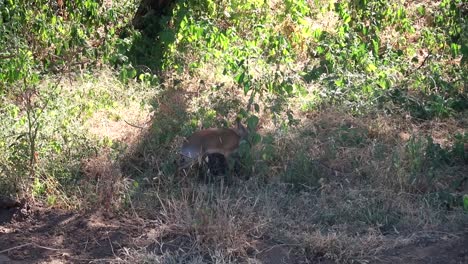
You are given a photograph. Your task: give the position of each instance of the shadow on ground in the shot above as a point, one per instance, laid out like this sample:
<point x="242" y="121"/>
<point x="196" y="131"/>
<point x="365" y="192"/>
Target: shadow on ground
<point x="51" y="235"/>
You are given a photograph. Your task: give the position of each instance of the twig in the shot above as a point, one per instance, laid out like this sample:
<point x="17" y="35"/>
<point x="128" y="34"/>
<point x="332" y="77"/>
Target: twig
<point x="110" y="244"/>
<point x="133" y="125"/>
<point x="107" y="260"/>
<point x="419" y="67"/>
<point x="2" y="57"/>
<point x="13" y="248"/>
<point x="332" y="169"/>
<point x="278" y="245"/>
<point x="29" y="244"/>
<point x="48" y="248"/>
<point x="133" y="209"/>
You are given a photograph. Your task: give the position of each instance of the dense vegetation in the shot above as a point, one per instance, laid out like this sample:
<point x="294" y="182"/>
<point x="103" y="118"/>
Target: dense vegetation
<point x="369" y="96"/>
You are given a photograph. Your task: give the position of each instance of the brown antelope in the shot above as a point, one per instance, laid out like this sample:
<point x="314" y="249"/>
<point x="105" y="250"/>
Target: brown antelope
<point x="223" y="141"/>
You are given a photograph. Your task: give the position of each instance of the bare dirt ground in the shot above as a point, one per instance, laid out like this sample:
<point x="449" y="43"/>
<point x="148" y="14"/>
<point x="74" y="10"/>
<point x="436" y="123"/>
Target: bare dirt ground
<point x="57" y="236"/>
<point x="38" y="235"/>
<point x="451" y="251"/>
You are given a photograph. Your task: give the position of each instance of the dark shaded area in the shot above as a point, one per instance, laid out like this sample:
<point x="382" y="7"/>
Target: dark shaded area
<point x="214" y="165"/>
<point x="452" y="251"/>
<point x="12" y="210"/>
<point x="156" y="31"/>
<point x="153" y="155"/>
<point x="426" y="106"/>
<point x="6" y="215"/>
<point x="47" y="235"/>
<point x="7" y="202"/>
<point x="150" y="8"/>
<point x="69" y="237"/>
<point x="158" y="25"/>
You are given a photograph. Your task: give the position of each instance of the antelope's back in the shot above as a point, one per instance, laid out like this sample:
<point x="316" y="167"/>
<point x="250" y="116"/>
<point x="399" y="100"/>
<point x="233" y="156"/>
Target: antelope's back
<point x="212" y="140"/>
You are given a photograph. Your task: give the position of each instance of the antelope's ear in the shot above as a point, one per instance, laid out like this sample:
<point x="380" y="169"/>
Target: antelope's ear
<point x="241" y="129"/>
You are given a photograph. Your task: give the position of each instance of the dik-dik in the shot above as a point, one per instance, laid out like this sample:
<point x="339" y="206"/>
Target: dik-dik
<point x="198" y="146"/>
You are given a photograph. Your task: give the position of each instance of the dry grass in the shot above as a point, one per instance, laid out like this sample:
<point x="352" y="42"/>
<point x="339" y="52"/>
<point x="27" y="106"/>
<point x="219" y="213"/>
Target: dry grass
<point x="105" y="114"/>
<point x="359" y="202"/>
<point x="102" y="184"/>
<point x="362" y="210"/>
<point x="336" y="188"/>
<point x="123" y="119"/>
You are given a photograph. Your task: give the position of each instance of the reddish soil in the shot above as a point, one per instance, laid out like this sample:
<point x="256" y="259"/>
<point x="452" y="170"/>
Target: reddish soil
<point x="46" y="235"/>
<point x="41" y="235"/>
<point x="448" y="251"/>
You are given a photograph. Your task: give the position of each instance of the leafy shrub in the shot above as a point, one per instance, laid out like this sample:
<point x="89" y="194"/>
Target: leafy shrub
<point x="302" y="172"/>
<point x="432" y="168"/>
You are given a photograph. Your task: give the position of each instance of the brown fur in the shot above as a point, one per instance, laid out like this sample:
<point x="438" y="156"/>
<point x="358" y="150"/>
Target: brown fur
<point x="224" y="141"/>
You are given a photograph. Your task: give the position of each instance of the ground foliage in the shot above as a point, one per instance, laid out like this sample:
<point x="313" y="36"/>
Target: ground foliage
<point x="357" y="112"/>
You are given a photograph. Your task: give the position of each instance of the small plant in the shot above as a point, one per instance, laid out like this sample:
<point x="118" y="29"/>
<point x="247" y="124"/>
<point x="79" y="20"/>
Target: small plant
<point x="302" y="173"/>
<point x="427" y="162"/>
<point x="465" y="202"/>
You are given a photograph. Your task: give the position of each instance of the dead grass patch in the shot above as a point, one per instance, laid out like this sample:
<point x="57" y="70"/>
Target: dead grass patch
<point x="356" y="211"/>
<point x="102" y="185"/>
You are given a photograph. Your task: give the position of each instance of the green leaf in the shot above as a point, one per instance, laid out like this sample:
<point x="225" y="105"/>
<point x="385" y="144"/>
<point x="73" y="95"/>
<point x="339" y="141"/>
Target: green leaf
<point x="375" y="45"/>
<point x="465" y="202"/>
<point x="455" y="48"/>
<point x="255" y="138"/>
<point x="288" y="88"/>
<point x="257" y="108"/>
<point x="371" y="67"/>
<point x="268" y="139"/>
<point x="246" y="88"/>
<point x="346" y="18"/>
<point x="252" y="122"/>
<point x="317" y="34"/>
<point x="240" y="78"/>
<point x="133" y="73"/>
<point x="421" y="10"/>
